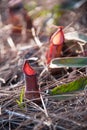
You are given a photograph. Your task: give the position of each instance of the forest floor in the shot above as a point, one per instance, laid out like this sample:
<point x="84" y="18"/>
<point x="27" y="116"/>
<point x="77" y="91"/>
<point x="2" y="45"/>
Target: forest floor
<point x="55" y="112"/>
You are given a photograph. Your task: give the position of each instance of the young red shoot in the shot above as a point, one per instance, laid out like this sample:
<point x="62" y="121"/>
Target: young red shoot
<point x="56" y="44"/>
<point x="31" y="90"/>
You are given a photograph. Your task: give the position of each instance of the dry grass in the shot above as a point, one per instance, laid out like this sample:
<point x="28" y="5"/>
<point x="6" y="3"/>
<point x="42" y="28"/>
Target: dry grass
<point x="59" y="112"/>
<point x="54" y="113"/>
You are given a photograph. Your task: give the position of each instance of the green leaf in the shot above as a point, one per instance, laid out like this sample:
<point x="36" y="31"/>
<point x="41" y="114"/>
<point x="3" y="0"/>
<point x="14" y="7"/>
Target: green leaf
<point x="74" y="62"/>
<point x="21" y="95"/>
<point x="63" y="96"/>
<point x="20" y="101"/>
<point x="76" y="36"/>
<point x="72" y="4"/>
<point x="78" y="84"/>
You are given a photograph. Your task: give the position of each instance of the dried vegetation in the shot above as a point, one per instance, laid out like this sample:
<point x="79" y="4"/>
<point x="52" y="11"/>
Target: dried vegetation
<point x="58" y="112"/>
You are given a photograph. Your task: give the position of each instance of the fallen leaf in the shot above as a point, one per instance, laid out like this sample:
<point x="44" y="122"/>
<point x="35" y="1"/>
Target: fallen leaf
<point x="68" y="62"/>
<point x="76" y="36"/>
<point x="76" y="85"/>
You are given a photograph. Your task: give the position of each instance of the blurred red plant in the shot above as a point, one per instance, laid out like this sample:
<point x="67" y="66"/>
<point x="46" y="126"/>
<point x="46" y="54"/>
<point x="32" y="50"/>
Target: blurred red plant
<point x="18" y="17"/>
<point x="56" y="44"/>
<point x="31" y="89"/>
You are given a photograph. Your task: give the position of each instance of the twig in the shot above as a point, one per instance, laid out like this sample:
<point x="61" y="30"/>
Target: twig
<point x="82" y="48"/>
<point x="2" y="80"/>
<point x="11" y="43"/>
<point x="36" y="38"/>
<point x="17" y="114"/>
<point x="0" y="110"/>
<point x="37" y="106"/>
<point x="45" y="110"/>
<point x="21" y="115"/>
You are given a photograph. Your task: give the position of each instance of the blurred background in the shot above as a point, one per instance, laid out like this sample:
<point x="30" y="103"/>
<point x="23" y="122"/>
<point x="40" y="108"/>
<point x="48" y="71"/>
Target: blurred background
<point x="52" y="12"/>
